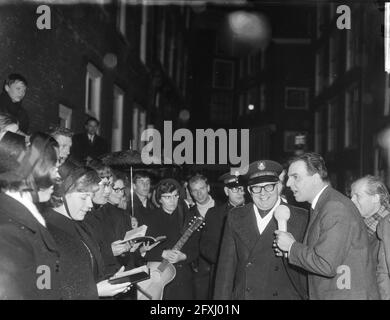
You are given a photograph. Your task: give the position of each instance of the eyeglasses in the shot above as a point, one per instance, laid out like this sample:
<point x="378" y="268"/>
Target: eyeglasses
<point x="117" y="190"/>
<point x="237" y="189"/>
<point x="267" y="187"/>
<point x="170" y="197"/>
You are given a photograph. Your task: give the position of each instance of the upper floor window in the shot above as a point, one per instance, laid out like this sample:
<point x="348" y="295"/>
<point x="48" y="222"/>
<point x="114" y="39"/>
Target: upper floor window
<point x="93" y="81"/>
<point x="121" y="17"/>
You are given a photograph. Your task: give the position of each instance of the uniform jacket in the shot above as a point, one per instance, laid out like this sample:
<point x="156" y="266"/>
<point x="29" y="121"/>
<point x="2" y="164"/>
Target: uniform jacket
<point x="27" y="253"/>
<point x="82" y="147"/>
<point x="336" y="251"/>
<point x="247" y="266"/>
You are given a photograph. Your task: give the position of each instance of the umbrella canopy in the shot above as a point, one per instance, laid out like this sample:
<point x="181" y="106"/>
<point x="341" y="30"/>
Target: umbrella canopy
<point x="130" y="158"/>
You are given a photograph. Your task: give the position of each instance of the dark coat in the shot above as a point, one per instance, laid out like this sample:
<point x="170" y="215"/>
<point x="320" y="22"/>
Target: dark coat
<point x="211" y="236"/>
<point x="139" y="210"/>
<point x="335" y="245"/>
<point x="81" y="263"/>
<point x="202" y="267"/>
<point x="25" y="247"/>
<point x="83" y="148"/>
<point x="16" y="110"/>
<point x="173" y="226"/>
<point x="108" y="224"/>
<point x="248" y="268"/>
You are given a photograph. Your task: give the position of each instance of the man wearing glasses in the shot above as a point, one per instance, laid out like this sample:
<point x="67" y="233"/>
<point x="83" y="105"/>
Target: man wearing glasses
<point x="211" y="237"/>
<point x="247" y="266"/>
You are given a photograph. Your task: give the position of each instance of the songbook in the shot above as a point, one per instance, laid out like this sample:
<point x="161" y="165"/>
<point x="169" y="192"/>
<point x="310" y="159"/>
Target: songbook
<point x="149" y="239"/>
<point x="133" y="275"/>
<point x="135" y="233"/>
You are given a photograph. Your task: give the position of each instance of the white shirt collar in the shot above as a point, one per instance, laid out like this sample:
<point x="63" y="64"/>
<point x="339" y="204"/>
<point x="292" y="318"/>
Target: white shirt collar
<point x="313" y="204"/>
<point x="25" y="199"/>
<point x="263" y="222"/>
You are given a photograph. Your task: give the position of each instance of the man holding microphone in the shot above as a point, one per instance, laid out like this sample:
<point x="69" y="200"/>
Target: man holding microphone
<point x="335" y="249"/>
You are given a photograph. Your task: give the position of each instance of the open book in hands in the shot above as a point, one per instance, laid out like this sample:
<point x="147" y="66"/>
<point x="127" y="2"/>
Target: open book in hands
<point x="137" y="235"/>
<point x="133" y="275"/>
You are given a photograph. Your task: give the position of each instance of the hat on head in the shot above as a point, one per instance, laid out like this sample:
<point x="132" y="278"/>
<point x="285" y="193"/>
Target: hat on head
<point x="231" y="180"/>
<point x="263" y="171"/>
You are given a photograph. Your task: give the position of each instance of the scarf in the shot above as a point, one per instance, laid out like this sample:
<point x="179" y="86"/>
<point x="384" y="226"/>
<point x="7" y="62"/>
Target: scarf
<point x="202" y="208"/>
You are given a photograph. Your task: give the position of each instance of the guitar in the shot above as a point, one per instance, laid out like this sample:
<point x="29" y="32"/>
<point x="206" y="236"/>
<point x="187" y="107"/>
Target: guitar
<point x="162" y="273"/>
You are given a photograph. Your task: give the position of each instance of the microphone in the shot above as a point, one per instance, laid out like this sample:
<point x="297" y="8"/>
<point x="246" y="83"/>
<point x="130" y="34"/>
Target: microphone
<point x="282" y="214"/>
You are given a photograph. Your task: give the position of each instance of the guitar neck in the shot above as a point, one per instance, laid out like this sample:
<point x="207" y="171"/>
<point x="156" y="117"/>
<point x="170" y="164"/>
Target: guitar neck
<point x="179" y="244"/>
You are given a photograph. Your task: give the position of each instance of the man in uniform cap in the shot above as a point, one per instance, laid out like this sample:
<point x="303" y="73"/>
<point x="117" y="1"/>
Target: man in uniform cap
<point x="211" y="237"/>
<point x="247" y="266"/>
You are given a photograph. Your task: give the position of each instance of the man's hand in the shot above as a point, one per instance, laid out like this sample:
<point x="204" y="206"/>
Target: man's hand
<point x="284" y="240"/>
<point x="119" y="248"/>
<point x="173" y="256"/>
<point x="146" y="247"/>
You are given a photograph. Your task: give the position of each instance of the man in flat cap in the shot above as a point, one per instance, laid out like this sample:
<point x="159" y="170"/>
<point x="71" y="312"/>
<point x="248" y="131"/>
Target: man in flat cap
<point x="247" y="266"/>
<point x="211" y="237"/>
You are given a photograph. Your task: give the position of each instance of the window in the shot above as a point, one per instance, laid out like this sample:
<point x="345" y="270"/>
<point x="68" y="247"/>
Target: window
<point x="262" y="98"/>
<point x="142" y="127"/>
<point x="121" y="17"/>
<point x="223" y="74"/>
<point x="351" y="118"/>
<point x="253" y="98"/>
<point x="65" y="115"/>
<point x="291" y="141"/>
<point x="242" y="67"/>
<point x="296" y="98"/>
<point x="318" y="132"/>
<point x="252" y="64"/>
<point x="318" y="76"/>
<point x="334" y="54"/>
<point x="139" y="125"/>
<point x="144" y="31"/>
<point x="221" y="108"/>
<point x="332" y="131"/>
<point x="162" y="36"/>
<point x="386" y="110"/>
<point x="242" y="104"/>
<point x="117" y="120"/>
<point x="136" y="137"/>
<point x="262" y="59"/>
<point x="93" y="81"/>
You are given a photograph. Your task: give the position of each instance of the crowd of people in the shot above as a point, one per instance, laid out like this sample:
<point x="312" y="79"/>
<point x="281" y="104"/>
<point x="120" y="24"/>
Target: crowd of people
<point x="64" y="215"/>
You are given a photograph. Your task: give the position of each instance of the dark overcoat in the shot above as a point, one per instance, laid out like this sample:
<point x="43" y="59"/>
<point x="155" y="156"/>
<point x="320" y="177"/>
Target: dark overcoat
<point x="29" y="258"/>
<point x="248" y="268"/>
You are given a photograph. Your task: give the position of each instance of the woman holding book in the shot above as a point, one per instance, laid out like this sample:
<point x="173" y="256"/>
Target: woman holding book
<point x="83" y="274"/>
<point x="171" y="220"/>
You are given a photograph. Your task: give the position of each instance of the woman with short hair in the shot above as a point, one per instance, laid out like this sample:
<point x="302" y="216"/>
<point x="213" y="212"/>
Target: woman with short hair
<point x="83" y="272"/>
